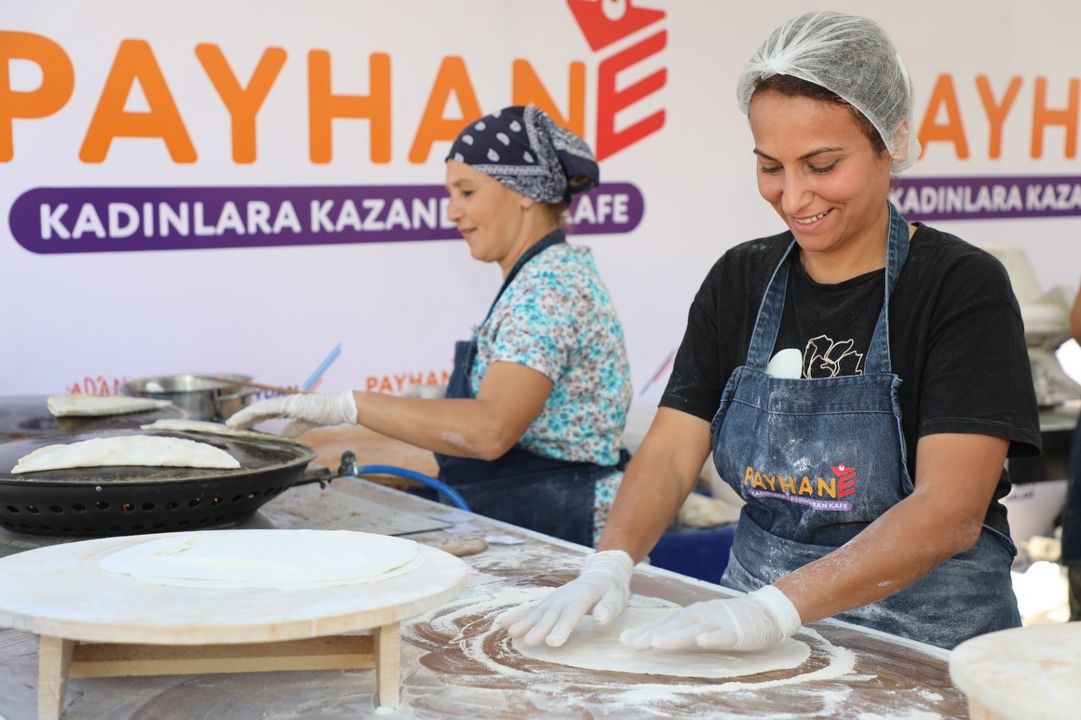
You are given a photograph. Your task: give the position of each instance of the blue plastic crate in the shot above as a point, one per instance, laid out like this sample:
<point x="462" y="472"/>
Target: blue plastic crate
<point x="698" y="552"/>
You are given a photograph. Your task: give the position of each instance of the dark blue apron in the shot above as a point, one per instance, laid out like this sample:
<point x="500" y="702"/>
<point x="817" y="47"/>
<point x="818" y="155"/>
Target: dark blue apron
<point x="555" y="497"/>
<point x="817" y="460"/>
<point x="1071" y="517"/>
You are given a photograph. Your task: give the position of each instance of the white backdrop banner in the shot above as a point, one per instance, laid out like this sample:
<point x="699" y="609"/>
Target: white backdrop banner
<point x="242" y="186"/>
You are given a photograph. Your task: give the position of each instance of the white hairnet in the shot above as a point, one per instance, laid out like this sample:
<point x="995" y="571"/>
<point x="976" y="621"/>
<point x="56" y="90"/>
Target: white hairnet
<point x="851" y="57"/>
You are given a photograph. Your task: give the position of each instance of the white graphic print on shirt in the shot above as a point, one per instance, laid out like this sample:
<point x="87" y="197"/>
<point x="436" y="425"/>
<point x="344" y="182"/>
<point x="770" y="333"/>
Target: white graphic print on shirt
<point x="825" y="357"/>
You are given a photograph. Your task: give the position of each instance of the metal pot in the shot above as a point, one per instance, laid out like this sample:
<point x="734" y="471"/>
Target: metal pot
<point x="199" y="397"/>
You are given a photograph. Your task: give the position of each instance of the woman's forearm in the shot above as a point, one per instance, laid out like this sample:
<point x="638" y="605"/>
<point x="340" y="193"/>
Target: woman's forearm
<point x="649" y="497"/>
<point x="907" y="542"/>
<point x="661" y="474"/>
<point x="510" y="398"/>
<point x="460" y="427"/>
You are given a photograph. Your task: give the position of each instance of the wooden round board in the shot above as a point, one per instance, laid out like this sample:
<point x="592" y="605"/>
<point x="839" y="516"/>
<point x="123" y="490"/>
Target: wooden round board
<point x="61" y="591"/>
<point x="1030" y="672"/>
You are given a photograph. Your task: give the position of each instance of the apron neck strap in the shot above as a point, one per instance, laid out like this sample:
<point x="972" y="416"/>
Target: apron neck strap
<point x="878" y="353"/>
<point x="553" y="238"/>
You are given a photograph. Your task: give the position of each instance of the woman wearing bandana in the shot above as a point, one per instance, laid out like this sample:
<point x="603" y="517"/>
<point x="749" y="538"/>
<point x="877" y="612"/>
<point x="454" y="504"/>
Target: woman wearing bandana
<point x="858" y="379"/>
<point x="529" y="430"/>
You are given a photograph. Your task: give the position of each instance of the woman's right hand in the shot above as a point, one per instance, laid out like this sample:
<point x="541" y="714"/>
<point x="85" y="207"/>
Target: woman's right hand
<point x="334" y="409"/>
<point x="602" y="586"/>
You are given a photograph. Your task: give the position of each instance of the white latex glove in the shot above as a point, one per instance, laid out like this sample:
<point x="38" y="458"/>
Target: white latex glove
<point x="756" y="621"/>
<point x="603" y="585"/>
<point x="336" y="409"/>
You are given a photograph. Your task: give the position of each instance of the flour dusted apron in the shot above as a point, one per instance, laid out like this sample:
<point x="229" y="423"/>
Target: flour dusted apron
<point x="817" y="460"/>
<point x="551" y="496"/>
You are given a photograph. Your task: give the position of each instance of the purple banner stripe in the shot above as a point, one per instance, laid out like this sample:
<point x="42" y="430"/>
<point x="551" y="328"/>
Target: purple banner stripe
<point x="985" y="198"/>
<point x="126" y="219"/>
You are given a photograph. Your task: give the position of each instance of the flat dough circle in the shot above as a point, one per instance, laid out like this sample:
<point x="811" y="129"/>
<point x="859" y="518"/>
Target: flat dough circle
<point x="1028" y="672"/>
<point x="282" y="559"/>
<point x="212" y="428"/>
<point x="127" y="450"/>
<point x="99" y="405"/>
<point x="597" y="647"/>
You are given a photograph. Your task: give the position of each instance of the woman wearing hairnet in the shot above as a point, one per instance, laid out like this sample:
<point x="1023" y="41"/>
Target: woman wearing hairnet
<point x="529" y="431"/>
<point x="871" y="376"/>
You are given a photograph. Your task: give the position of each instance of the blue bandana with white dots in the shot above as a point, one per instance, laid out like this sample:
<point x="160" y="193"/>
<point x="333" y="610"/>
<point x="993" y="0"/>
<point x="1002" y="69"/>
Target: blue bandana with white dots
<point x="523" y="148"/>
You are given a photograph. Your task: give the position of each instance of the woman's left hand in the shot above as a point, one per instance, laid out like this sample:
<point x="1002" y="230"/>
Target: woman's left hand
<point x="756" y="621"/>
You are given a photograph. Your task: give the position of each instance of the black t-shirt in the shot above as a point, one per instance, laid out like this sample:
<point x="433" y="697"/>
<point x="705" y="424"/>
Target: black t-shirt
<point x="956" y="339"/>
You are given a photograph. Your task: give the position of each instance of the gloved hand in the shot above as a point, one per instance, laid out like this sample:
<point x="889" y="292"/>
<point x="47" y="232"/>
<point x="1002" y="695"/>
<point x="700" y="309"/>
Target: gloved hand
<point x="756" y="621"/>
<point x="603" y="585"/>
<point x="336" y="409"/>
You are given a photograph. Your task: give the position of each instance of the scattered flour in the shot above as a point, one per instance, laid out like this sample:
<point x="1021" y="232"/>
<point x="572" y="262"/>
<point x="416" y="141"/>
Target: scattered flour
<point x="453" y="621"/>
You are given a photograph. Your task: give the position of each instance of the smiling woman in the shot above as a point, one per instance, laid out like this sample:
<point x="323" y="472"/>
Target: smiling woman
<point x="872" y="466"/>
<point x="529" y="430"/>
<point x="827" y="181"/>
<point x="493" y="219"/>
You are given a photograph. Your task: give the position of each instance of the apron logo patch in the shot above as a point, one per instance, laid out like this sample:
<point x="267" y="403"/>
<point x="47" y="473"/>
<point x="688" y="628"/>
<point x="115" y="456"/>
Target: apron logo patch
<point x="818" y="493"/>
<point x="846" y="479"/>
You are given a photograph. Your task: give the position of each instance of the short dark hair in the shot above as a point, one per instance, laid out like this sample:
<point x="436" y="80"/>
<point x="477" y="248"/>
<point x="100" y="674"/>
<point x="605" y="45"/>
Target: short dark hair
<point x="791" y="86"/>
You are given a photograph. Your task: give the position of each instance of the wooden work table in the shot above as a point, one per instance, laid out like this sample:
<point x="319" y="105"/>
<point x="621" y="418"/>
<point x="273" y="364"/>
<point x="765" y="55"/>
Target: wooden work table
<point x="455" y="665"/>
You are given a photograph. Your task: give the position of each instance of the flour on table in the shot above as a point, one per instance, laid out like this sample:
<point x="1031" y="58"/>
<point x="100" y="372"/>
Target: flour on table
<point x="593" y="646"/>
<point x="126" y="450"/>
<point x="476" y="648"/>
<point x="97" y="405"/>
<point x="282" y="559"/>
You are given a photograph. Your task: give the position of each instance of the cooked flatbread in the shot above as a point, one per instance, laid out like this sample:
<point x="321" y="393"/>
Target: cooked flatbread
<point x="285" y="559"/>
<point x="144" y="450"/>
<point x="212" y="428"/>
<point x="95" y="405"/>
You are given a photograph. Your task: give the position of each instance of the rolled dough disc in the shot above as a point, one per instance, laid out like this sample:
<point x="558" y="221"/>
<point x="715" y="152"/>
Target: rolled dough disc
<point x="284" y="559"/>
<point x="1028" y="673"/>
<point x="597" y="647"/>
<point x="142" y="450"/>
<point x="95" y="405"/>
<point x="211" y="428"/>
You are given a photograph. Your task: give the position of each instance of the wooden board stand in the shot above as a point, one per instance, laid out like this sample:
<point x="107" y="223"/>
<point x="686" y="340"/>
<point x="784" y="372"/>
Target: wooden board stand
<point x="60" y="659"/>
<point x="136" y="628"/>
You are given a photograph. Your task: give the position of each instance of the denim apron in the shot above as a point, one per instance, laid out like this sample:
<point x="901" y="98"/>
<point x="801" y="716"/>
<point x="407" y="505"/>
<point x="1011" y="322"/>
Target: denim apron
<point x="817" y="460"/>
<point x="1071" y="518"/>
<point x="555" y="497"/>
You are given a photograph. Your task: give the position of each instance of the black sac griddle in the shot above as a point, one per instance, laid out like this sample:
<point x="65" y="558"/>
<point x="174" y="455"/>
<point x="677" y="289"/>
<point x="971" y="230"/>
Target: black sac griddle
<point x="27" y="416"/>
<point x="129" y="500"/>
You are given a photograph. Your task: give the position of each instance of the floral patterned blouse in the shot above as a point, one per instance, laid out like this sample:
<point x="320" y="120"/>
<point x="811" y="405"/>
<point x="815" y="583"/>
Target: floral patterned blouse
<point x="557" y="318"/>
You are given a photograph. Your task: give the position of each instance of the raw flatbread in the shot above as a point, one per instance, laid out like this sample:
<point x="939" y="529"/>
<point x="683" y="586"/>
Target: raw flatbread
<point x="283" y="559"/>
<point x="95" y="405"/>
<point x="1025" y="672"/>
<point x="144" y="450"/>
<point x="597" y="647"/>
<point x="212" y="428"/>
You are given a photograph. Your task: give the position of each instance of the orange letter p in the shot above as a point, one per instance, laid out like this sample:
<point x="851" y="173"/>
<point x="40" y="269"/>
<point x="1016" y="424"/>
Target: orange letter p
<point x="57" y="83"/>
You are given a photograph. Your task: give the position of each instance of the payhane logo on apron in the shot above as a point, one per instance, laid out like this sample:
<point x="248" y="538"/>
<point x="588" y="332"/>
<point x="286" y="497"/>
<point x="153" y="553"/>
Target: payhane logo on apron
<point x="818" y="493"/>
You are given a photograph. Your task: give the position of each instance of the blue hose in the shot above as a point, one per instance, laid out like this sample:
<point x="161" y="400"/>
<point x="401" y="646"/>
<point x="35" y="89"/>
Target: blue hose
<point x="451" y="494"/>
